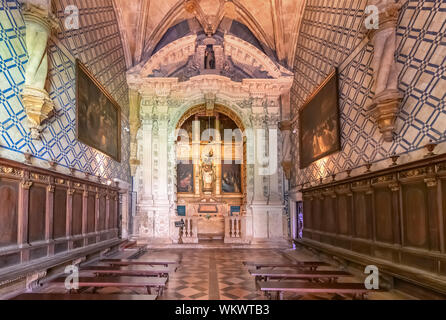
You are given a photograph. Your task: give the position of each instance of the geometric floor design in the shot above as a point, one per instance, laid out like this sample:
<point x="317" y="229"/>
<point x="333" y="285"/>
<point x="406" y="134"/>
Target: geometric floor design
<point x="218" y="274"/>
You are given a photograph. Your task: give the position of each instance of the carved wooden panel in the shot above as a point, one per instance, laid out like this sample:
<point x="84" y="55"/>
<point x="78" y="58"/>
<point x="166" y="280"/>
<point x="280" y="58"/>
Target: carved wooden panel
<point x="316" y="214"/>
<point x="112" y="217"/>
<point x="383" y="215"/>
<point x="397" y="214"/>
<point x="91" y="213"/>
<point x="307" y="214"/>
<point x="360" y="215"/>
<point x="102" y="210"/>
<point x="60" y="213"/>
<point x="328" y="213"/>
<point x="415" y="215"/>
<point x="36" y="218"/>
<point x="8" y="212"/>
<point x="443" y="197"/>
<point x="29" y="196"/>
<point x="344" y="210"/>
<point x="77" y="213"/>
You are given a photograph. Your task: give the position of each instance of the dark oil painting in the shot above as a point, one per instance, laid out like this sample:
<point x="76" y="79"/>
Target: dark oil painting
<point x="185" y="177"/>
<point x="231" y="178"/>
<point x="319" y="123"/>
<point x="98" y="115"/>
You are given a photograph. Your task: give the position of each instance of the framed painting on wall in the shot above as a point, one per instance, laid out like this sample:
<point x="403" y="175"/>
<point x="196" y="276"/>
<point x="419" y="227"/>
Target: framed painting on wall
<point x="319" y="123"/>
<point x="231" y="178"/>
<point x="185" y="177"/>
<point x="98" y="114"/>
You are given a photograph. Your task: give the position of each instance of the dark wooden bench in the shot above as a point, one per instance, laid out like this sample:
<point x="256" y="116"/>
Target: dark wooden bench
<point x="141" y="262"/>
<point x="358" y="290"/>
<point x="312" y="265"/>
<point x="64" y="296"/>
<point x="266" y="275"/>
<point x="119" y="282"/>
<point x="128" y="245"/>
<point x="133" y="270"/>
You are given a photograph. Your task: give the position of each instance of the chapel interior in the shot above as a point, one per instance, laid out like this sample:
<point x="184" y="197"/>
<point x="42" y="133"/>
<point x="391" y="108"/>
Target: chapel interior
<point x="223" y="149"/>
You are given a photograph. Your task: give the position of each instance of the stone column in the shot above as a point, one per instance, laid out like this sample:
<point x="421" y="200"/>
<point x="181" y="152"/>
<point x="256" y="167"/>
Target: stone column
<point x="39" y="21"/>
<point x="259" y="147"/>
<point x="161" y="207"/>
<point x="196" y="154"/>
<point x="217" y="156"/>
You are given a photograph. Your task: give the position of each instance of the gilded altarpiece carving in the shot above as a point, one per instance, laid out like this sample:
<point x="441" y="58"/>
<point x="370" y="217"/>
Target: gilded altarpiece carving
<point x="210" y="166"/>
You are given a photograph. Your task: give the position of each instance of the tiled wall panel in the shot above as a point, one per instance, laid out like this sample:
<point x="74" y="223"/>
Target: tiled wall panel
<point x="332" y="36"/>
<point x="97" y="43"/>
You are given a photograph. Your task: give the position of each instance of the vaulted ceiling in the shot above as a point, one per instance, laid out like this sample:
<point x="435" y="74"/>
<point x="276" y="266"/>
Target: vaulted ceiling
<point x="143" y="23"/>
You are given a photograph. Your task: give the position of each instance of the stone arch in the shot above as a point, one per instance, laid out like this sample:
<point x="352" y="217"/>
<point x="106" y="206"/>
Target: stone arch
<point x="218" y="108"/>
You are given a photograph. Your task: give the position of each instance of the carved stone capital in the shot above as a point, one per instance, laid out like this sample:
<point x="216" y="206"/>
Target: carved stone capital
<point x="385" y="108"/>
<point x="50" y="188"/>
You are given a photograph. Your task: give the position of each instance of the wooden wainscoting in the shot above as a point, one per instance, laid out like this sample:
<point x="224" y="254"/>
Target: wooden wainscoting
<point x="44" y="214"/>
<point x="393" y="218"/>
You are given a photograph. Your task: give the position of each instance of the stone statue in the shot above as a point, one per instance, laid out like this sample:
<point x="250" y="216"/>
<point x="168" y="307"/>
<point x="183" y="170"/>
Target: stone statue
<point x="387" y="98"/>
<point x="208" y="175"/>
<point x="209" y="58"/>
<point x="39" y="21"/>
<point x="384" y="41"/>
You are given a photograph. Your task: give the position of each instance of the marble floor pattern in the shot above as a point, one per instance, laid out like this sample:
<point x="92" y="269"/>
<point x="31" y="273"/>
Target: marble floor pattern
<point x="218" y="274"/>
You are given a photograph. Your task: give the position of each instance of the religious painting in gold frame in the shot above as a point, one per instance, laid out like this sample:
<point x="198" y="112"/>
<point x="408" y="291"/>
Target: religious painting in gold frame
<point x="98" y="115"/>
<point x="319" y="123"/>
<point x="231" y="181"/>
<point x="185" y="177"/>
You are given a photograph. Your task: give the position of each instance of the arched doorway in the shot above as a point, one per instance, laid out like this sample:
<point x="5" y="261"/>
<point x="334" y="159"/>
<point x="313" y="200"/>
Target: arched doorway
<point x="211" y="174"/>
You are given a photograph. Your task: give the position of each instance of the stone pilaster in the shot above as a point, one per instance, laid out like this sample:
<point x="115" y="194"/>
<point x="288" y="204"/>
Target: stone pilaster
<point x="135" y="124"/>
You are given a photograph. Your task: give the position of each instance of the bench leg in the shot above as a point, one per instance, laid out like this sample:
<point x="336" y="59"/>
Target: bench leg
<point x="149" y="290"/>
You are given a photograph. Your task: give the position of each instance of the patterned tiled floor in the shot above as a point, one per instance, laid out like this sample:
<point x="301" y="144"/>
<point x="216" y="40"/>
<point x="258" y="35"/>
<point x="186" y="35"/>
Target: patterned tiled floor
<point x="214" y="274"/>
<point x="210" y="274"/>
